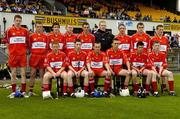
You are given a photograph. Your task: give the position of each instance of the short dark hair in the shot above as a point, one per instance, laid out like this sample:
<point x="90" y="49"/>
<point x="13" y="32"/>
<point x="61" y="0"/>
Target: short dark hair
<point x="38" y="22"/>
<point x="115" y="39"/>
<point x="55" y="42"/>
<point x="155" y="42"/>
<point x="85" y="23"/>
<point x="140" y="24"/>
<point x="17" y="16"/>
<point x="97" y="42"/>
<point x="121" y="24"/>
<point x="77" y="40"/>
<point x="158" y="26"/>
<point x="55" y="23"/>
<point x="140" y="43"/>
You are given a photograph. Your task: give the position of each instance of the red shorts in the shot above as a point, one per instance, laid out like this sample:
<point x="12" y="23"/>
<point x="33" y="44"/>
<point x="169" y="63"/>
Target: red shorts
<point x="37" y="61"/>
<point x="98" y="72"/>
<point x="17" y="61"/>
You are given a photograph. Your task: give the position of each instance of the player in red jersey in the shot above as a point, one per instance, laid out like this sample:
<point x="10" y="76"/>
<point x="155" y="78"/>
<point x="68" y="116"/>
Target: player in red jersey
<point x="69" y="39"/>
<point x="96" y="61"/>
<point x="164" y="47"/>
<point x="125" y="40"/>
<point x="164" y="43"/>
<point x="116" y="59"/>
<point x="140" y="36"/>
<point x="38" y="44"/>
<point x="55" y="63"/>
<point x="158" y="59"/>
<point x="87" y="39"/>
<point x="16" y="39"/>
<point x="141" y="65"/>
<point x="77" y="63"/>
<point x="56" y="35"/>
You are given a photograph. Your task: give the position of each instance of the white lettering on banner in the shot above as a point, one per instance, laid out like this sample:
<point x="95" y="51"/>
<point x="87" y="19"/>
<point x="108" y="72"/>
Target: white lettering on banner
<point x="60" y="45"/>
<point x="158" y="64"/>
<point x="138" y="64"/>
<point x="96" y="64"/>
<point x="115" y="61"/>
<point x="17" y="39"/>
<point x="163" y="47"/>
<point x="70" y="45"/>
<point x="38" y="45"/>
<point x="145" y="45"/>
<point x="56" y="64"/>
<point x="77" y="63"/>
<point x="124" y="46"/>
<point x="86" y="46"/>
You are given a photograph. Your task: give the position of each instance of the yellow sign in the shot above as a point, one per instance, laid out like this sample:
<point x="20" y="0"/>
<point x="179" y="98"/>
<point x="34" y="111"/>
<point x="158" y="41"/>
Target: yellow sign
<point x="171" y="27"/>
<point x="49" y="20"/>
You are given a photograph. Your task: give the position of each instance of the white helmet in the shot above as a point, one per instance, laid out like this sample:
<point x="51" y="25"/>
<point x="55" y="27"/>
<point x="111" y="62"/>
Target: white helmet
<point x="46" y="94"/>
<point x="124" y="92"/>
<point x="79" y="93"/>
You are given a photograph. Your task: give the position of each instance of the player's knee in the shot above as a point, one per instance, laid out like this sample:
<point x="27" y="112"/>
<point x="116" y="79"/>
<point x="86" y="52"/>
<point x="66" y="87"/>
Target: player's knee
<point x="86" y="74"/>
<point x="69" y="74"/>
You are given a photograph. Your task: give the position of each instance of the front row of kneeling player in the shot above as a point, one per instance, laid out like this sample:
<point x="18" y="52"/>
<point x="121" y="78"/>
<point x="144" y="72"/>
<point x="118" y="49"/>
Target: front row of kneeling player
<point x="96" y="63"/>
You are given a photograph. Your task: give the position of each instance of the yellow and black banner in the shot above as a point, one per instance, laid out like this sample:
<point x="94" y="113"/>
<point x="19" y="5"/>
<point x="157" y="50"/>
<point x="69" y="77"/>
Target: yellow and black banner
<point x="63" y="21"/>
<point x="171" y="27"/>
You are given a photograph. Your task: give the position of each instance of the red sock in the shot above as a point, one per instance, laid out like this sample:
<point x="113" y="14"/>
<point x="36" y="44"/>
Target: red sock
<point x="154" y="85"/>
<point x="106" y="84"/>
<point x="31" y="88"/>
<point x="85" y="89"/>
<point x="147" y="88"/>
<point x="164" y="86"/>
<point x="50" y="86"/>
<point x="64" y="89"/>
<point x="71" y="89"/>
<point x="23" y="87"/>
<point x="45" y="87"/>
<point x="91" y="83"/>
<point x="13" y="87"/>
<point x="171" y="85"/>
<point x="135" y="87"/>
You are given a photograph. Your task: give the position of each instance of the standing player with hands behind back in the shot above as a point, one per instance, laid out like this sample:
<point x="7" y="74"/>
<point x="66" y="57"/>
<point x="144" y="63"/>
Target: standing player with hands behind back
<point x="16" y="38"/>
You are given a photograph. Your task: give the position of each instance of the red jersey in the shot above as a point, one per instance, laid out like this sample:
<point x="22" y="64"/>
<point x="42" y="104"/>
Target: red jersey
<point x="116" y="59"/>
<point x="158" y="60"/>
<point x="140" y="60"/>
<point x="87" y="41"/>
<point x="77" y="60"/>
<point x="38" y="43"/>
<point x="17" y="40"/>
<point x="145" y="38"/>
<point x="97" y="61"/>
<point x="55" y="61"/>
<point x="164" y="43"/>
<point x="56" y="37"/>
<point x="69" y="42"/>
<point x="125" y="43"/>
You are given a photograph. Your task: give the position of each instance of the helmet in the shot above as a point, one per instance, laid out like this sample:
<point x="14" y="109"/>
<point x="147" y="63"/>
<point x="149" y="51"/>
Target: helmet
<point x="79" y="93"/>
<point x="46" y="94"/>
<point x="124" y="92"/>
<point x="18" y="94"/>
<point x="141" y="93"/>
<point x="98" y="93"/>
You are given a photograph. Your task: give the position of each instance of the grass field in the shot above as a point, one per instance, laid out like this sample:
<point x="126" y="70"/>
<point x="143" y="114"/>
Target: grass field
<point x="165" y="107"/>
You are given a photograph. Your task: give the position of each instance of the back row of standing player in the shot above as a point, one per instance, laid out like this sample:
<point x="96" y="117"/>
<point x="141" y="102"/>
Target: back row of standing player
<point x="39" y="43"/>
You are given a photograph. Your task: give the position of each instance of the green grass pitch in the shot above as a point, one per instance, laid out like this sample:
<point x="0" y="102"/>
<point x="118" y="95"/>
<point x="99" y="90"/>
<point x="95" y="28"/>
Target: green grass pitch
<point x="163" y="107"/>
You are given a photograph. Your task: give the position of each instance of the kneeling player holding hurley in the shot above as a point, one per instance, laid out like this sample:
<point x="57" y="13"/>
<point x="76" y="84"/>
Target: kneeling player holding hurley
<point x="96" y="61"/>
<point x="141" y="65"/>
<point x="55" y="63"/>
<point x="116" y="60"/>
<point x="77" y="61"/>
<point x="159" y="65"/>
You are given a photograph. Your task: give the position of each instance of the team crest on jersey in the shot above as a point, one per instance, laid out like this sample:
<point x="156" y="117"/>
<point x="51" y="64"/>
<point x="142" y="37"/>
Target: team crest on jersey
<point x="35" y="39"/>
<point x="13" y="34"/>
<point x="73" y="58"/>
<point x="52" y="59"/>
